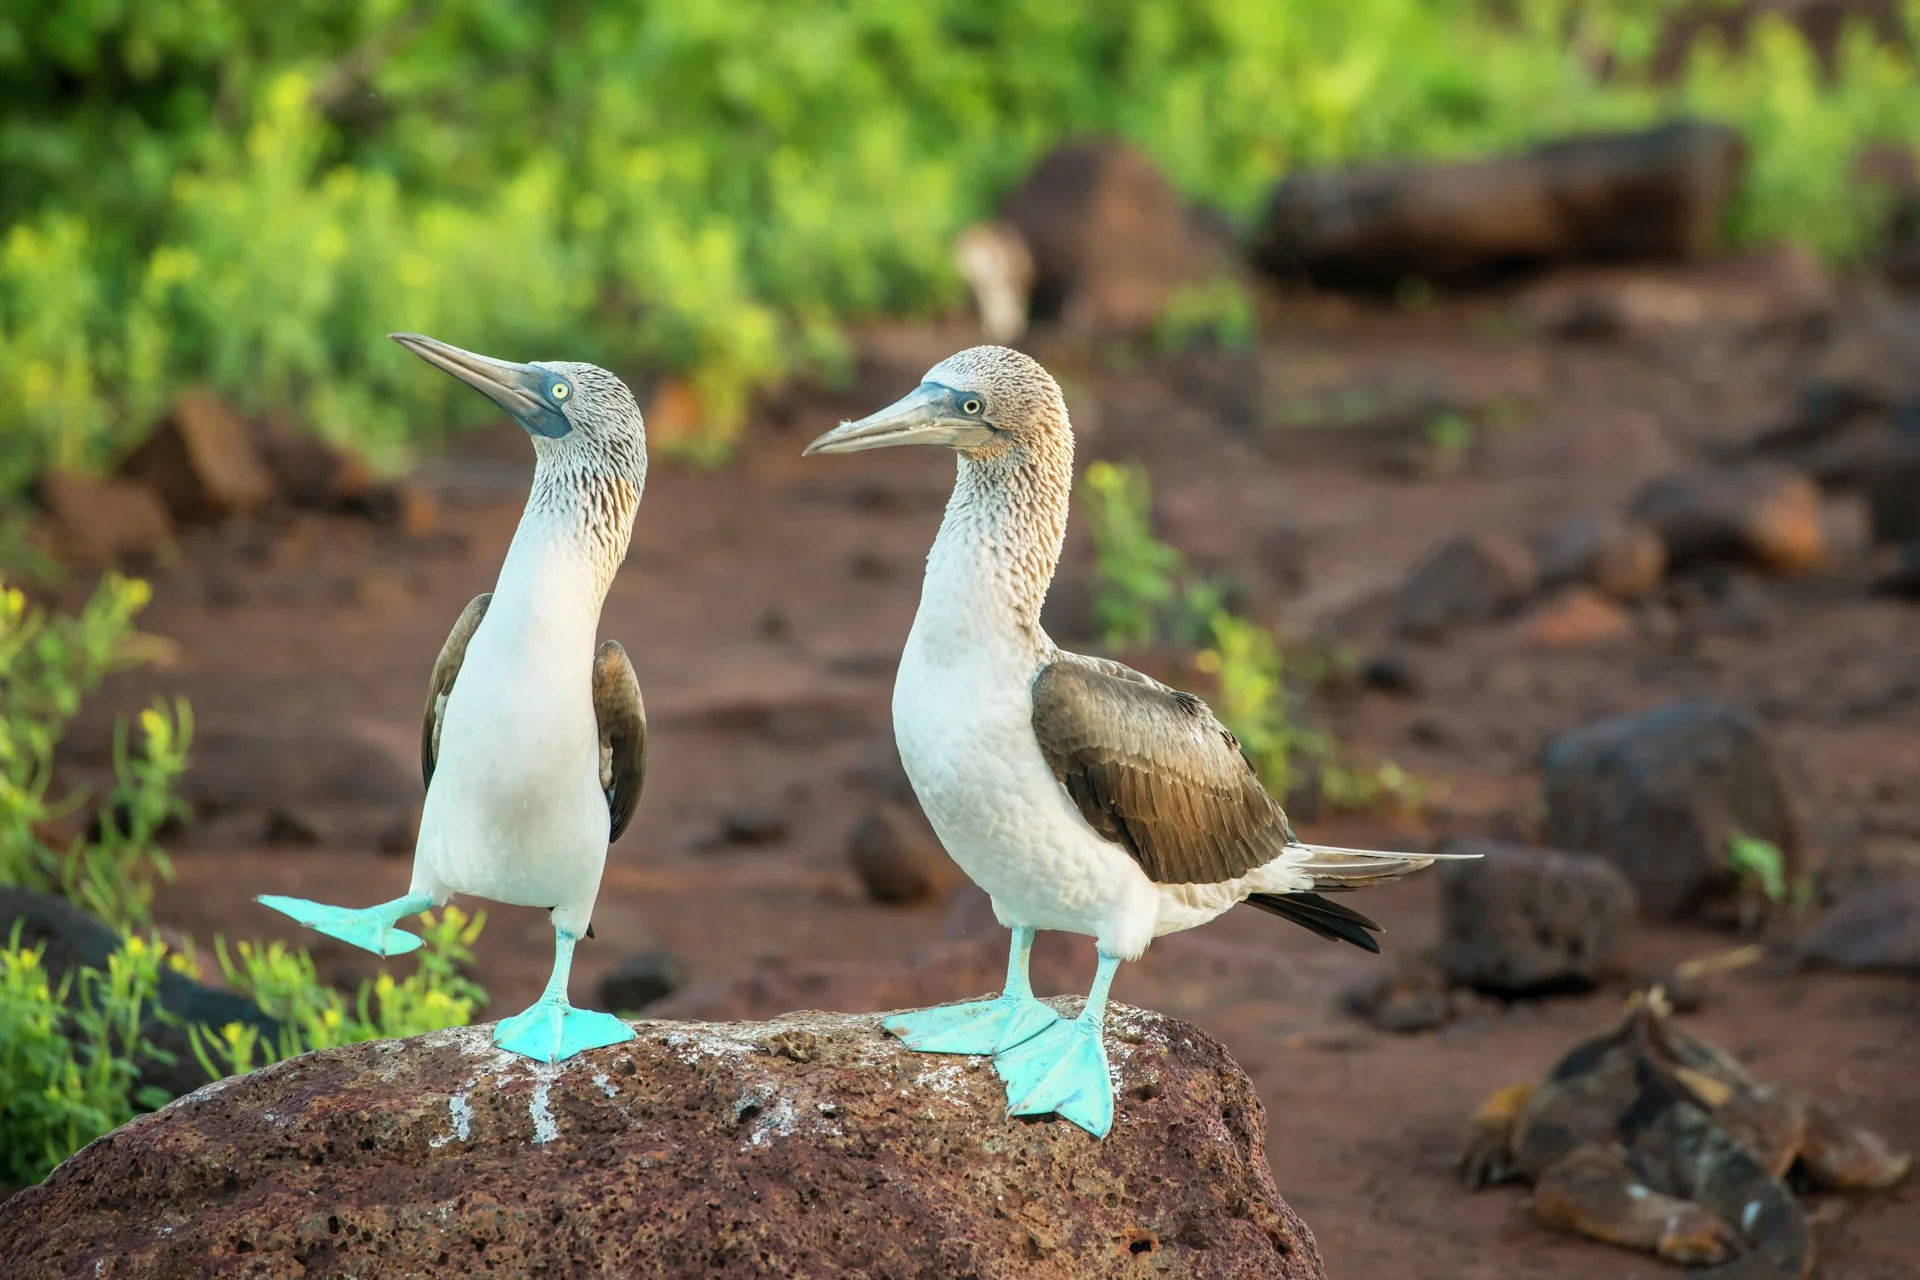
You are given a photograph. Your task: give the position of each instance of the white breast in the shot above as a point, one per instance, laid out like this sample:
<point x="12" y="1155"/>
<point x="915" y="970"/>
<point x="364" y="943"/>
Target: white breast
<point x="515" y="812"/>
<point x="963" y="718"/>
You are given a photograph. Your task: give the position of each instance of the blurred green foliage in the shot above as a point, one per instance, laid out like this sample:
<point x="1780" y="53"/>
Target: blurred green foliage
<point x="283" y="981"/>
<point x="67" y="1055"/>
<point x="253" y="194"/>
<point x="68" y="1049"/>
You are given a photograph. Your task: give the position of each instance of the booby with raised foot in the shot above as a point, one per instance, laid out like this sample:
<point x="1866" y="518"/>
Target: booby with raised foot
<point x="1080" y="794"/>
<point x="534" y="742"/>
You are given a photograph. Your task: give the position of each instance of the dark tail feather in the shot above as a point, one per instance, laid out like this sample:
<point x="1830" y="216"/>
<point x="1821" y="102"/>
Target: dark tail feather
<point x="1328" y="919"/>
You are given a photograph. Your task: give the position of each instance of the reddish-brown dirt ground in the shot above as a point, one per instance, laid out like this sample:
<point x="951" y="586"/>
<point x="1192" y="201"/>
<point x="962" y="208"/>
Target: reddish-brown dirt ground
<point x="764" y="602"/>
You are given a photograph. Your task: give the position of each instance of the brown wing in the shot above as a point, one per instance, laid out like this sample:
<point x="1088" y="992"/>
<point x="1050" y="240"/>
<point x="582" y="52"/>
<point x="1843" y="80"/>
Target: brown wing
<point x="623" y="733"/>
<point x="446" y="668"/>
<point x="1154" y="772"/>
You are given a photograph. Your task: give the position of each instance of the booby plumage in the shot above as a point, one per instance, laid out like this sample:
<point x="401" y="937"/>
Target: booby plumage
<point x="534" y="742"/>
<point x="1080" y="794"/>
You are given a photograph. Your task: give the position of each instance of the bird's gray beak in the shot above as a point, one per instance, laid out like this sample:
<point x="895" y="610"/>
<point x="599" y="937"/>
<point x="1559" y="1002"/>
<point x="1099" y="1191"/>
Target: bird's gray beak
<point x="520" y="389"/>
<point x="931" y="414"/>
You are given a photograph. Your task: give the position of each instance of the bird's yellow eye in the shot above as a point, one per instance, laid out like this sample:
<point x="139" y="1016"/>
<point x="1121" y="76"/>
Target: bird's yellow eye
<point x="559" y="391"/>
<point x="970" y="405"/>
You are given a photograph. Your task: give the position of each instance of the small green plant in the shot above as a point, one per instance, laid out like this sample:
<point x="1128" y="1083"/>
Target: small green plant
<point x="1761" y="869"/>
<point x="283" y="981"/>
<point x="1451" y="432"/>
<point x="1136" y="577"/>
<point x="1218" y="311"/>
<point x="68" y="1053"/>
<point x="1144" y="592"/>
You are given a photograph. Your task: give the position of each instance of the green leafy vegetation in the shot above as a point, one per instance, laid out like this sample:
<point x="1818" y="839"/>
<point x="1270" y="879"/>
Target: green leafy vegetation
<point x="1218" y="311"/>
<point x="67" y="1065"/>
<point x="1761" y="869"/>
<point x="1144" y="592"/>
<point x="68" y="1048"/>
<point x="282" y="980"/>
<point x="250" y="195"/>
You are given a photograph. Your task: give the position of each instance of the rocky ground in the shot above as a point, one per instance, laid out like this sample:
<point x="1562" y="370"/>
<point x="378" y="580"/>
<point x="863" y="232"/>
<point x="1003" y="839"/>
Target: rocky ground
<point x="764" y="603"/>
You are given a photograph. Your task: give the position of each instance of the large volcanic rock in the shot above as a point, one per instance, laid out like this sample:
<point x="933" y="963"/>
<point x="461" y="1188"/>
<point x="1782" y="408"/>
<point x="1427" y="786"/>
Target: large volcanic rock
<point x="808" y="1146"/>
<point x="1660" y="792"/>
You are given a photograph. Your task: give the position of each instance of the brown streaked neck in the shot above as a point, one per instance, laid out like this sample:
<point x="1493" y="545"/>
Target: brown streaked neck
<point x="582" y="507"/>
<point x="1000" y="542"/>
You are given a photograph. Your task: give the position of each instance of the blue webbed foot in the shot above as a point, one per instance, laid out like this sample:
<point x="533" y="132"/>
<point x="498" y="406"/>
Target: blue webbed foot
<point x="552" y="1031"/>
<point x="1063" y="1070"/>
<point x="982" y="1026"/>
<point x="369" y="928"/>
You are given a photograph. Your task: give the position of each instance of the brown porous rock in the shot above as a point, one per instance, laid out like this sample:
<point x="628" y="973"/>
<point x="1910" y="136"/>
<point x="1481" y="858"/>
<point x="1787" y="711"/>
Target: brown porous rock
<point x="813" y="1145"/>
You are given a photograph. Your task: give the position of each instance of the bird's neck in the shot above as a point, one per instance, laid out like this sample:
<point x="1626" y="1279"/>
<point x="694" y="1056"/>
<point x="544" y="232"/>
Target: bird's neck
<point x="571" y="540"/>
<point x="988" y="572"/>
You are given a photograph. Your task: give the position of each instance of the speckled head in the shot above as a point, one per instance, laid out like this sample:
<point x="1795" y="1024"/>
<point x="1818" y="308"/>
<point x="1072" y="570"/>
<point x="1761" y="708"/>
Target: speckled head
<point x="983" y="402"/>
<point x="567" y="407"/>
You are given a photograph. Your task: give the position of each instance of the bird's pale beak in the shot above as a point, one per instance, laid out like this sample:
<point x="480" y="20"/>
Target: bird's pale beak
<point x="930" y="414"/>
<point x="520" y="389"/>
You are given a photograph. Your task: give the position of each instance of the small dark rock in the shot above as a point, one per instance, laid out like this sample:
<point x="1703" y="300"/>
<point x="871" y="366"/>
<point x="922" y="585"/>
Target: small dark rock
<point x="896" y="857"/>
<point x="1392" y="672"/>
<point x="201" y="461"/>
<point x="1520" y="921"/>
<point x="406" y="507"/>
<point x="76" y="940"/>
<point x="1465" y="581"/>
<point x="1660" y="792"/>
<point x="1893" y="495"/>
<point x="774" y="624"/>
<point x="1876" y="929"/>
<point x="1621" y="557"/>
<point x="1763" y="513"/>
<point x="401" y="833"/>
<point x="1409" y="996"/>
<point x="753" y="824"/>
<point x="295" y="827"/>
<point x="309" y="472"/>
<point x="641" y="979"/>
<point x="1902" y="576"/>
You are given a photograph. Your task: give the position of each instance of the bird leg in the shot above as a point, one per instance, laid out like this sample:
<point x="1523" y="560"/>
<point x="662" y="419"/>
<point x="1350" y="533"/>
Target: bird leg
<point x="1063" y="1070"/>
<point x="369" y="928"/>
<point x="981" y="1026"/>
<point x="551" y="1029"/>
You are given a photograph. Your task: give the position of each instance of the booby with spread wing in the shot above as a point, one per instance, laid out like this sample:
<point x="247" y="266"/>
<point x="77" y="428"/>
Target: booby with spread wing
<point x="1080" y="794"/>
<point x="534" y="743"/>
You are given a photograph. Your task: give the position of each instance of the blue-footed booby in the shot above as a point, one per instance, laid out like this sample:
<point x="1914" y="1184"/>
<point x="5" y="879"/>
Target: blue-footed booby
<point x="1080" y="794"/>
<point x="534" y="742"/>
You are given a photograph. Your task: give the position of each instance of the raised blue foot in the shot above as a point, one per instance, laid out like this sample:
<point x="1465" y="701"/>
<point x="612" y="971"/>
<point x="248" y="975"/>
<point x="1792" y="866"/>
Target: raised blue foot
<point x="369" y="928"/>
<point x="553" y="1031"/>
<point x="1063" y="1070"/>
<point x="984" y="1026"/>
